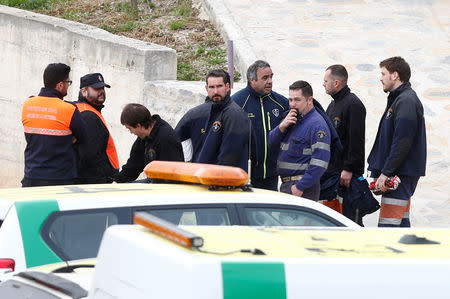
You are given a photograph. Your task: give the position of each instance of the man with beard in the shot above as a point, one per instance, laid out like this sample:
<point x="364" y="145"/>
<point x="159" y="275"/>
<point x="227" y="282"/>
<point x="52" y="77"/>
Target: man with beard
<point x="97" y="158"/>
<point x="400" y="148"/>
<point x="51" y="126"/>
<point x="219" y="128"/>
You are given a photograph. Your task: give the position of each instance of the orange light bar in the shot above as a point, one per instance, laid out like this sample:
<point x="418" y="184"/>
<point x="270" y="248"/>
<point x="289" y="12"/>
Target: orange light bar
<point x="168" y="230"/>
<point x="206" y="174"/>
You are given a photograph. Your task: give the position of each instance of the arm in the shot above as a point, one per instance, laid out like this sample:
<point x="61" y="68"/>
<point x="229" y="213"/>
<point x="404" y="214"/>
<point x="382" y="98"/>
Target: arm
<point x="320" y="156"/>
<point x="277" y="134"/>
<point x="135" y="163"/>
<point x="405" y="128"/>
<point x="78" y="127"/>
<point x="354" y="156"/>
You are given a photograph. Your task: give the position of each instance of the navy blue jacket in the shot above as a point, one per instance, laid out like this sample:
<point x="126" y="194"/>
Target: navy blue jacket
<point x="219" y="132"/>
<point x="349" y="119"/>
<point x="304" y="149"/>
<point x="265" y="112"/>
<point x="50" y="157"/>
<point x="400" y="147"/>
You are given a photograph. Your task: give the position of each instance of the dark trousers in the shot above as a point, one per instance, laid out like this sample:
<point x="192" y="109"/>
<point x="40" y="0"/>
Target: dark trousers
<point x="270" y="183"/>
<point x="312" y="193"/>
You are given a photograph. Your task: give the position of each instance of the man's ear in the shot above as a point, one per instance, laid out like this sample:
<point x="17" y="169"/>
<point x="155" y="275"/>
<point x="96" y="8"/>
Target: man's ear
<point x="84" y="91"/>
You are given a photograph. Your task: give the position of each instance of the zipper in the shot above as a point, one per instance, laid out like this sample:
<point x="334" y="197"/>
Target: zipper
<point x="268" y="120"/>
<point x="265" y="137"/>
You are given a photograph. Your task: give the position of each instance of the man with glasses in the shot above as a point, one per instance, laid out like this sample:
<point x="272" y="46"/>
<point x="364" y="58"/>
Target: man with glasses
<point x="98" y="162"/>
<point x="52" y="126"/>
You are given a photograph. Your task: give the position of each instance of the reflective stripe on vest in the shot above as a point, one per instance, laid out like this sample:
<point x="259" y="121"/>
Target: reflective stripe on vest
<point x="47" y="116"/>
<point x="111" y="148"/>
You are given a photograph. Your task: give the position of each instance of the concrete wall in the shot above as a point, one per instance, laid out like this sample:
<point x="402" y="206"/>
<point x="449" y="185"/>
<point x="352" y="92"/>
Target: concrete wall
<point x="29" y="42"/>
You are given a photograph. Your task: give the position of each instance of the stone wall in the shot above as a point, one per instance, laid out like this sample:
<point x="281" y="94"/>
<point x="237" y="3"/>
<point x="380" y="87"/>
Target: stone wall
<point x="29" y="42"/>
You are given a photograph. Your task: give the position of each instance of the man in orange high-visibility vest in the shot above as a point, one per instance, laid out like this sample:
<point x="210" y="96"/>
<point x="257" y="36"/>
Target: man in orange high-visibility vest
<point x="51" y="126"/>
<point x="97" y="158"/>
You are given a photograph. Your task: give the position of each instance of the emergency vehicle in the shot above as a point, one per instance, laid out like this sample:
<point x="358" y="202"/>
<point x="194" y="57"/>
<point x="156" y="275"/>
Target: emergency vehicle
<point x="43" y="225"/>
<point x="159" y="260"/>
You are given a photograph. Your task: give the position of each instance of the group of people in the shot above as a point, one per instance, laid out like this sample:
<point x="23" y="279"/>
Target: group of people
<point x="294" y="139"/>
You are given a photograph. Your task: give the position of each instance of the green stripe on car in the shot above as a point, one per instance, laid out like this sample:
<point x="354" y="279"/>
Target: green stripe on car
<point x="32" y="215"/>
<point x="253" y="280"/>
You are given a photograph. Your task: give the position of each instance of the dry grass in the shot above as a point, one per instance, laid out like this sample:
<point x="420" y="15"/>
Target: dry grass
<point x="172" y="23"/>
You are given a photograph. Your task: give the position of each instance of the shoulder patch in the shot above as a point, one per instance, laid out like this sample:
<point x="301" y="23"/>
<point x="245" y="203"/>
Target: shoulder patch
<point x="216" y="126"/>
<point x="276" y="112"/>
<point x="321" y="135"/>
<point x="337" y="122"/>
<point x="389" y="113"/>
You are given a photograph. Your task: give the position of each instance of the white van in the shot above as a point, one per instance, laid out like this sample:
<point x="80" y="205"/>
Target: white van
<point x="159" y="260"/>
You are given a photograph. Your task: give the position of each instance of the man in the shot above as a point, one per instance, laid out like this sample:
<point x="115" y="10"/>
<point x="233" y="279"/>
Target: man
<point x="400" y="145"/>
<point x="156" y="140"/>
<point x="97" y="158"/>
<point x="265" y="108"/>
<point x="51" y="127"/>
<point x="348" y="115"/>
<point x="304" y="141"/>
<point x="219" y="128"/>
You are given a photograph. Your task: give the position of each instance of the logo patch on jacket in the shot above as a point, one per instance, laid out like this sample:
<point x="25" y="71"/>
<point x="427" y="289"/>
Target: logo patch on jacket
<point x="336" y="122"/>
<point x="250" y="114"/>
<point x="276" y="112"/>
<point x="321" y="135"/>
<point x="216" y="126"/>
<point x="389" y="113"/>
<point x="151" y="154"/>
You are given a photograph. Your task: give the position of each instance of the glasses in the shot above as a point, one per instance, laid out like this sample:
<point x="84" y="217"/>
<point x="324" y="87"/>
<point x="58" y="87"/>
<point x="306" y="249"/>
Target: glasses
<point x="68" y="81"/>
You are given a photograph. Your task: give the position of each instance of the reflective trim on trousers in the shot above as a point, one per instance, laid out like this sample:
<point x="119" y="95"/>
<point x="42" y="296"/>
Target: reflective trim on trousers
<point x="393" y="211"/>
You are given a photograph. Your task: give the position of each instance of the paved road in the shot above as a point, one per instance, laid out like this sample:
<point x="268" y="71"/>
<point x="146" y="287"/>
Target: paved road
<point x="300" y="38"/>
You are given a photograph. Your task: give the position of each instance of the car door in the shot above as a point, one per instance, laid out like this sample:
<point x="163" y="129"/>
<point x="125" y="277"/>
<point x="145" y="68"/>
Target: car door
<point x="194" y="214"/>
<point x="282" y="215"/>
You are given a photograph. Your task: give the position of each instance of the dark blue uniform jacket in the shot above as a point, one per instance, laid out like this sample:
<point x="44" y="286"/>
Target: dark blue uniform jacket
<point x="400" y="146"/>
<point x="219" y="132"/>
<point x="266" y="112"/>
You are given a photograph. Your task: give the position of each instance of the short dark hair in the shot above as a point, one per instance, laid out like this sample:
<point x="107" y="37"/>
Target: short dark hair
<point x="253" y="69"/>
<point x="339" y="71"/>
<point x="134" y="114"/>
<point x="55" y="73"/>
<point x="219" y="74"/>
<point x="304" y="86"/>
<point x="399" y="65"/>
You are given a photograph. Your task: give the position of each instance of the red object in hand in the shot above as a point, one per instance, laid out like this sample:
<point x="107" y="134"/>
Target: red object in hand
<point x="391" y="184"/>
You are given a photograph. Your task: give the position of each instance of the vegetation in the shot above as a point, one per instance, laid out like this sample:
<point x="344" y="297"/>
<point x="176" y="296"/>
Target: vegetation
<point x="171" y="23"/>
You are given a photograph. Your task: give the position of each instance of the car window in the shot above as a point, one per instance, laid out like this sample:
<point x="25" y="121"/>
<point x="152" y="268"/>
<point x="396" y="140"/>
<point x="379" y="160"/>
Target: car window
<point x="77" y="234"/>
<point x="193" y="216"/>
<point x="284" y="217"/>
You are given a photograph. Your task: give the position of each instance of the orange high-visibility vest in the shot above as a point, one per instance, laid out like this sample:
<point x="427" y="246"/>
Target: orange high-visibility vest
<point x="47" y="116"/>
<point x="111" y="148"/>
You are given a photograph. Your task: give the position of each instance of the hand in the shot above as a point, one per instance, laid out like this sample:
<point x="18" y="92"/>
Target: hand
<point x="295" y="191"/>
<point x="380" y="185"/>
<point x="346" y="177"/>
<point x="289" y="120"/>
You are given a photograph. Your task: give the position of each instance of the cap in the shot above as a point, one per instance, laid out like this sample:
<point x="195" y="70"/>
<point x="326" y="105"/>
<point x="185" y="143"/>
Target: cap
<point x="94" y="80"/>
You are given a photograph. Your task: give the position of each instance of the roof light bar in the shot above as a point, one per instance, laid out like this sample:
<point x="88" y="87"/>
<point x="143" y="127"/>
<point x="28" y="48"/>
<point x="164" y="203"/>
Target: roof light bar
<point x="168" y="230"/>
<point x="206" y="174"/>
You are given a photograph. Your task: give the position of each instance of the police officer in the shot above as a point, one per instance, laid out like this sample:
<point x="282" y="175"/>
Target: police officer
<point x="303" y="138"/>
<point x="52" y="126"/>
<point x="219" y="128"/>
<point x="97" y="158"/>
<point x="348" y="116"/>
<point x="400" y="147"/>
<point x="265" y="108"/>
